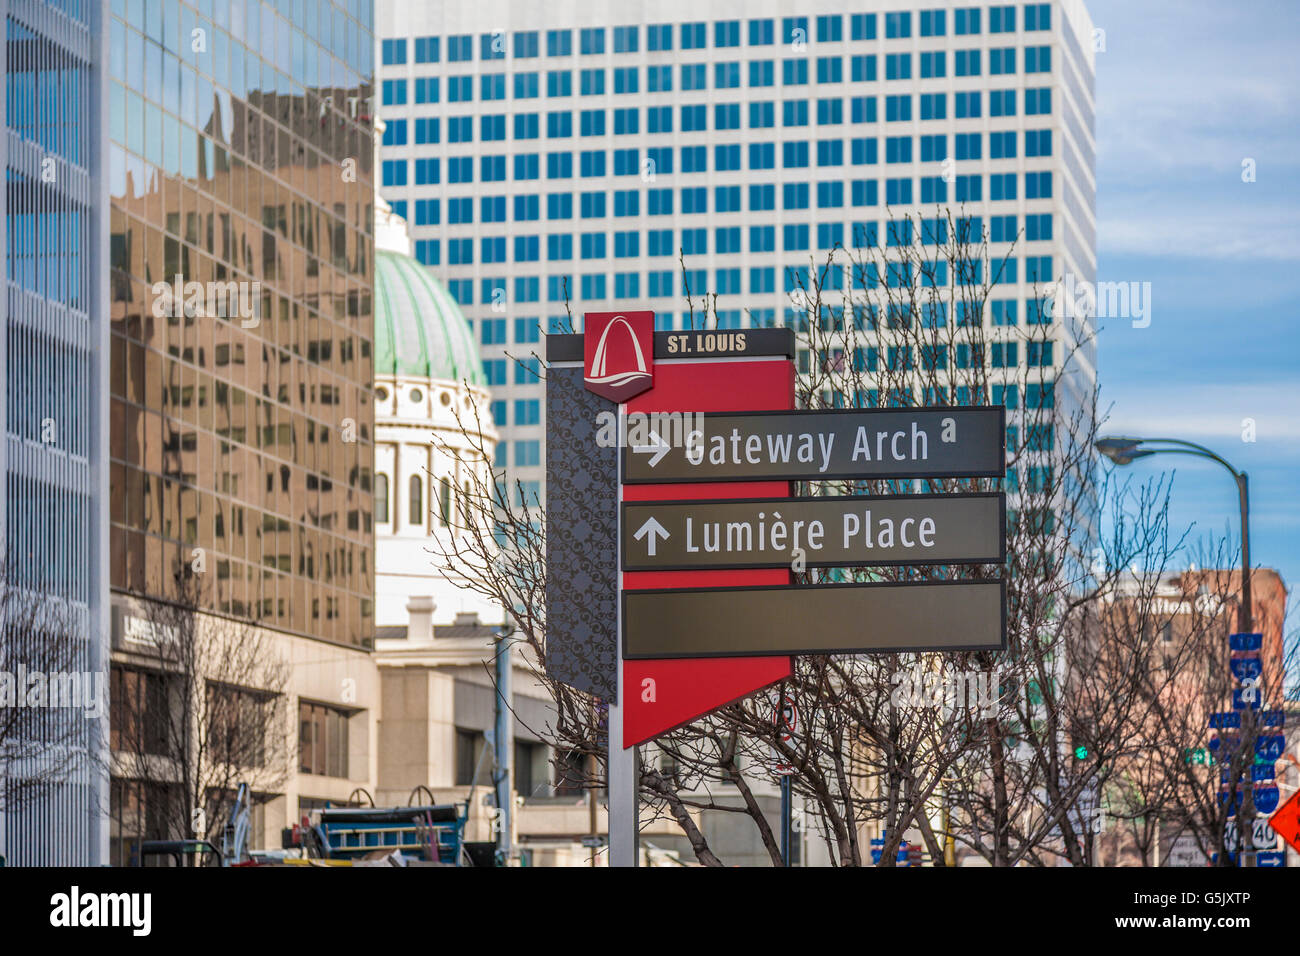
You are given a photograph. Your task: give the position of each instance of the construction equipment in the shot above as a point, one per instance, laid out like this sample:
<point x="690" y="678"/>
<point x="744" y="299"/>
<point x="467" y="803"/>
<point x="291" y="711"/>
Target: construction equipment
<point x="234" y="836"/>
<point x="429" y="832"/>
<point x="177" y="853"/>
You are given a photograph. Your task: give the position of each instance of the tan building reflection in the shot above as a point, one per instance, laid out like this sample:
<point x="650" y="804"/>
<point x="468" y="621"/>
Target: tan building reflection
<point x="242" y="416"/>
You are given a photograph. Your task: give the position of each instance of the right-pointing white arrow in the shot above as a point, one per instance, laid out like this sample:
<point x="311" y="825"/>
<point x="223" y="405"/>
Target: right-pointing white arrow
<point x="655" y="530"/>
<point x="658" y="446"/>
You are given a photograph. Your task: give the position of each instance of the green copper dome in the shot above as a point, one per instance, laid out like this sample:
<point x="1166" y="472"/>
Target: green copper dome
<point x="420" y="331"/>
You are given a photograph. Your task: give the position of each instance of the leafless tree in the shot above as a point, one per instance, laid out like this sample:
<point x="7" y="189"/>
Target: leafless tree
<point x="200" y="708"/>
<point x="913" y="317"/>
<point x="53" y="703"/>
<point x="1202" y="772"/>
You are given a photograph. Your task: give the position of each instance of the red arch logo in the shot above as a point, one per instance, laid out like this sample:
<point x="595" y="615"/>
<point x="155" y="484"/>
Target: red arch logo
<point x="618" y="353"/>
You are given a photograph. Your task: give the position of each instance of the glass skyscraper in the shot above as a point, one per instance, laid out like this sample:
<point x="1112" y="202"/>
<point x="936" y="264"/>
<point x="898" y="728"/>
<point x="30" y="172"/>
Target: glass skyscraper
<point x="54" y="455"/>
<point x="240" y="160"/>
<point x="542" y="148"/>
<point x="240" y="163"/>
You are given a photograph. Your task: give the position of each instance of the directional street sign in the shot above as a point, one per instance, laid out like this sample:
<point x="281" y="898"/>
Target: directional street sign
<point x="815" y="619"/>
<point x="1287" y="821"/>
<point x="826" y="532"/>
<point x="814" y="445"/>
<point x="704" y="538"/>
<point x="1262" y="835"/>
<point x="1246" y="699"/>
<point x="1245" y="642"/>
<point x="705" y="372"/>
<point x="1246" y="668"/>
<point x="1270" y="746"/>
<point x="1266" y="798"/>
<point x="750" y="369"/>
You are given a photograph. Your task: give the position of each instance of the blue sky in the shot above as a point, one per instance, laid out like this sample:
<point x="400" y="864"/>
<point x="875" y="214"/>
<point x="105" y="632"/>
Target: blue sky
<point x="1186" y="90"/>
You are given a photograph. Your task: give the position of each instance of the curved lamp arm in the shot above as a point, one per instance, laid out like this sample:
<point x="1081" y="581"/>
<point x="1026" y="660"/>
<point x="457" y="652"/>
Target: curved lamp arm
<point x="1186" y="448"/>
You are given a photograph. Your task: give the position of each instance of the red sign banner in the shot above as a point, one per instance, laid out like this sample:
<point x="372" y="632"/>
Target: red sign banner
<point x="663" y="694"/>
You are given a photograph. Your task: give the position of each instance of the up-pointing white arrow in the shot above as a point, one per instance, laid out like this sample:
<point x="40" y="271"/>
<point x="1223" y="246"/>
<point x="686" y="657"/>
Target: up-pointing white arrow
<point x="654" y="529"/>
<point x="658" y="446"/>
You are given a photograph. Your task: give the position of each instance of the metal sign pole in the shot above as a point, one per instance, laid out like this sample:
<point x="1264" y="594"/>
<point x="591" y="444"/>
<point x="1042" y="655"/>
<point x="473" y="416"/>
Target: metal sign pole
<point x="622" y="778"/>
<point x="503" y="742"/>
<point x="787" y="807"/>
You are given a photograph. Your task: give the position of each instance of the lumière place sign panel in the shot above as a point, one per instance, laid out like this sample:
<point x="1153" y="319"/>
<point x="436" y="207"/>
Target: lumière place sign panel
<point x="811" y="445"/>
<point x="822" y="532"/>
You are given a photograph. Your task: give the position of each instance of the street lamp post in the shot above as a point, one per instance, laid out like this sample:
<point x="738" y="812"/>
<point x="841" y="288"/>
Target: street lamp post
<point x="1124" y="451"/>
<point x="503" y="741"/>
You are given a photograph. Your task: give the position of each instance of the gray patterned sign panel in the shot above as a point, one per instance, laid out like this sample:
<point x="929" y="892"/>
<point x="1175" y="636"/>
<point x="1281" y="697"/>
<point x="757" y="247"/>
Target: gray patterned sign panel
<point x="581" y="538"/>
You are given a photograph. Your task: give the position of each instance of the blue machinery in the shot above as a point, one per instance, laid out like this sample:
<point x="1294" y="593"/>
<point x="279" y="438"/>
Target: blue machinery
<point x="432" y="832"/>
<point x="234" y="837"/>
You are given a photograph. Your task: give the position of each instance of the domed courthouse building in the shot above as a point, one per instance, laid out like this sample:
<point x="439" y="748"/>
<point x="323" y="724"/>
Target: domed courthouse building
<point x="433" y="425"/>
<point x="434" y="635"/>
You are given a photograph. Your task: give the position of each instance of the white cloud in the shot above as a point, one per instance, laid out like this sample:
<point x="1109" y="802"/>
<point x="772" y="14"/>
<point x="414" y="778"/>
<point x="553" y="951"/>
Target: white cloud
<point x="1187" y="90"/>
<point x="1207" y="413"/>
<point x="1202" y="233"/>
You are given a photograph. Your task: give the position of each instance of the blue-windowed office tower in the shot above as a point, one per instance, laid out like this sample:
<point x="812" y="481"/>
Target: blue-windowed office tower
<point x="539" y="148"/>
<point x="55" y="402"/>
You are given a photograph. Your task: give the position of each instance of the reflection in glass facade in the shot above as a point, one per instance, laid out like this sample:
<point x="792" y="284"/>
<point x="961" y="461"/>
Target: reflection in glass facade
<point x="55" y="415"/>
<point x="240" y="163"/>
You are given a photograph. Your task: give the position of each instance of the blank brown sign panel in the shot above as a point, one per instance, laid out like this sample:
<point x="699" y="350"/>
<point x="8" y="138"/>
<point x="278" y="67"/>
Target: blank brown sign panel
<point x="815" y="619"/>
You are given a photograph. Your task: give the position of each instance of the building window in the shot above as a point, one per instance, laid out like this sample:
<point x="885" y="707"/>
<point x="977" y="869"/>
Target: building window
<point x="139" y="810"/>
<point x="415" y="504"/>
<point x="528" y="411"/>
<point x="528" y="454"/>
<point x="531" y="770"/>
<point x="381" y="498"/>
<point x="444" y="502"/>
<point x="570" y="773"/>
<point x="322" y="740"/>
<point x="473" y="768"/>
<point x="139" y="715"/>
<point x="237" y="720"/>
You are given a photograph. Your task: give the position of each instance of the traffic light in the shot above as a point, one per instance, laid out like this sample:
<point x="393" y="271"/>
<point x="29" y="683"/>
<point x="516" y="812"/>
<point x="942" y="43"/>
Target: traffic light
<point x="1080" y="752"/>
